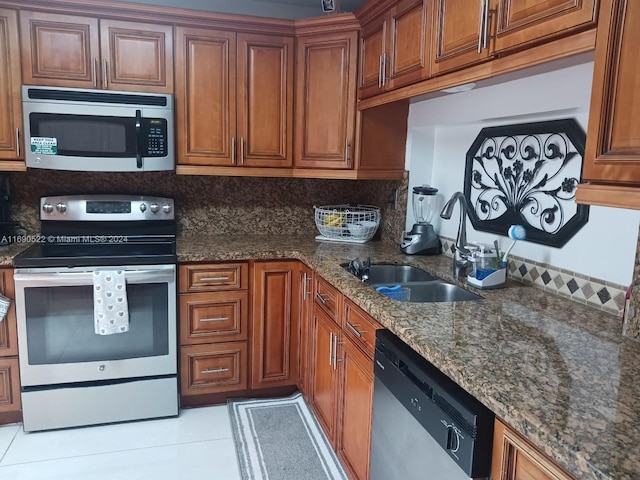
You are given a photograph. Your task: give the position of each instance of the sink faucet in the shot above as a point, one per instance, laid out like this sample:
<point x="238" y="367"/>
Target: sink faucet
<point x="461" y="253"/>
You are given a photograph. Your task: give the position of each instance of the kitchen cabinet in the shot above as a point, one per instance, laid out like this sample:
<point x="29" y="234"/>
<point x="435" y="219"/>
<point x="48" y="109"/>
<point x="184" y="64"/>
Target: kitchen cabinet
<point x="303" y="308"/>
<point x="87" y="52"/>
<point x="10" y="101"/>
<point x="394" y="47"/>
<point x="10" y="404"/>
<point x="516" y="459"/>
<point x="326" y="100"/>
<point x="275" y="324"/>
<point x="612" y="153"/>
<point x="214" y="328"/>
<point x="471" y="31"/>
<point x="234" y="99"/>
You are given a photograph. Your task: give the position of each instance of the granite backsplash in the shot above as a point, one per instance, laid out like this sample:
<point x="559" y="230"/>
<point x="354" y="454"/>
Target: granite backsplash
<point x="219" y="205"/>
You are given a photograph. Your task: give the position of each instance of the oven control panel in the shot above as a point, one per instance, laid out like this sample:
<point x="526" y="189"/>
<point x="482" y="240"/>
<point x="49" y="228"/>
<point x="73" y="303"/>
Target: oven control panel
<point x="106" y="208"/>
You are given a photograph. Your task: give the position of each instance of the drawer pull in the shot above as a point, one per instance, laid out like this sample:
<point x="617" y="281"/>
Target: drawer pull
<point x="215" y="370"/>
<point x="354" y="330"/>
<point x="214" y="319"/>
<point x="214" y="279"/>
<point x="321" y="298"/>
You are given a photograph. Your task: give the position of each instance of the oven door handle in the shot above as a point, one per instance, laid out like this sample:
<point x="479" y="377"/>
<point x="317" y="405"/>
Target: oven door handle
<point x="139" y="138"/>
<point x="85" y="278"/>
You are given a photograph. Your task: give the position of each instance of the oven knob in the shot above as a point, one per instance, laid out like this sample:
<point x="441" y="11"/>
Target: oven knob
<point x="101" y="368"/>
<point x="61" y="207"/>
<point x="166" y="208"/>
<point x="154" y="207"/>
<point x="47" y="208"/>
<point x="143" y="207"/>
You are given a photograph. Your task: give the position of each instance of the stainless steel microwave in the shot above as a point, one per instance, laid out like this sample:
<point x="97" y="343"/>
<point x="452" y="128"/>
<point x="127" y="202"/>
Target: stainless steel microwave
<point x="97" y="131"/>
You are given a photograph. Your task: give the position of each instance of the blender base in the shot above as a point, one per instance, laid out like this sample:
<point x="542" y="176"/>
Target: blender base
<point x="421" y="240"/>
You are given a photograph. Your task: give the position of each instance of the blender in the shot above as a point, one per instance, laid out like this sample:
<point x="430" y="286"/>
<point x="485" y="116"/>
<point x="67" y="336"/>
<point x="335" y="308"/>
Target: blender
<point x="422" y="240"/>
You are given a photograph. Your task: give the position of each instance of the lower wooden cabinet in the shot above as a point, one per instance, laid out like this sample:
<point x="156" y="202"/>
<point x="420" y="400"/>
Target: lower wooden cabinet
<point x="10" y="405"/>
<point x="213" y="368"/>
<point x="274" y="336"/>
<point x="516" y="459"/>
<point x="9" y="385"/>
<point x="304" y="307"/>
<point x="356" y="406"/>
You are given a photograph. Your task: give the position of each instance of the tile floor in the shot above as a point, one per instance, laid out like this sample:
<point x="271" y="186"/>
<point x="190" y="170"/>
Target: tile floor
<point x="196" y="445"/>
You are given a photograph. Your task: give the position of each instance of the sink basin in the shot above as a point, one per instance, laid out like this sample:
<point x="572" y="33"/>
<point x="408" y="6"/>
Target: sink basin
<point x="438" y="291"/>
<point x="395" y="274"/>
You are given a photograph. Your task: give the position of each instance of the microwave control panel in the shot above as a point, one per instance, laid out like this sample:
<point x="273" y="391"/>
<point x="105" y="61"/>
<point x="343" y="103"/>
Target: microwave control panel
<point x="154" y="137"/>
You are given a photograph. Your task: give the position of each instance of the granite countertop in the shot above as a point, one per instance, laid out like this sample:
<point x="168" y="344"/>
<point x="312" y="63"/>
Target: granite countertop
<point x="7" y="252"/>
<point x="558" y="372"/>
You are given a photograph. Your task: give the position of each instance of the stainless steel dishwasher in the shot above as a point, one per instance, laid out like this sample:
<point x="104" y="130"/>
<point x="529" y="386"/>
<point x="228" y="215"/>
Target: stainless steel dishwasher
<point x="425" y="426"/>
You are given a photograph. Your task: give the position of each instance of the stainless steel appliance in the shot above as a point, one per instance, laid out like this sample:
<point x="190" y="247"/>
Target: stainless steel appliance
<point x="70" y="375"/>
<point x="421" y="239"/>
<point x="424" y="425"/>
<point x="89" y="130"/>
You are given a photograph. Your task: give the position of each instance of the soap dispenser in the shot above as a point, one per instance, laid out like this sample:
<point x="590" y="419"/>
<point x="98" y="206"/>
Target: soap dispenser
<point x="486" y="271"/>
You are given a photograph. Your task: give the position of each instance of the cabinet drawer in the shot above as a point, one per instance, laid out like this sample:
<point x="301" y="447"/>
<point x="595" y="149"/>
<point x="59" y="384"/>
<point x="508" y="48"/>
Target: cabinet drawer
<point x="9" y="385"/>
<point x="327" y="298"/>
<point x="360" y="327"/>
<point x="213" y="317"/>
<point x="213" y="368"/>
<point x="211" y="278"/>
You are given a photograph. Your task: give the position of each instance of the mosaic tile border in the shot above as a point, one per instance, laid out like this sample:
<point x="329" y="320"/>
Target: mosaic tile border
<point x="600" y="294"/>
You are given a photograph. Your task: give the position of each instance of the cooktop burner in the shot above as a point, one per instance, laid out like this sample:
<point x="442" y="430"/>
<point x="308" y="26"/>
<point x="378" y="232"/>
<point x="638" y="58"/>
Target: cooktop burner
<point x="103" y="230"/>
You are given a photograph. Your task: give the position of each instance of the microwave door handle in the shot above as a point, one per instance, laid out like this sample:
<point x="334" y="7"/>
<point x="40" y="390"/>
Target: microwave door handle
<point x="139" y="138"/>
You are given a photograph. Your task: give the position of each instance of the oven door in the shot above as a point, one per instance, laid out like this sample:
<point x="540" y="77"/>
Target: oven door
<point x="56" y="337"/>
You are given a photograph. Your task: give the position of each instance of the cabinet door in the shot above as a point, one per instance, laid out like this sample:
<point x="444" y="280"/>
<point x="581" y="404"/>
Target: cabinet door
<point x="521" y="22"/>
<point x="324" y="381"/>
<point x="612" y="153"/>
<point x="9" y="385"/>
<point x="515" y="459"/>
<point x="59" y="50"/>
<point x="372" y="49"/>
<point x="356" y="406"/>
<point x="304" y="305"/>
<point x="136" y="56"/>
<point x="409" y="42"/>
<point x="326" y="100"/>
<point x="459" y="34"/>
<point x="10" y="105"/>
<point x="274" y="349"/>
<point x="8" y="332"/>
<point x="265" y="100"/>
<point x="205" y="96"/>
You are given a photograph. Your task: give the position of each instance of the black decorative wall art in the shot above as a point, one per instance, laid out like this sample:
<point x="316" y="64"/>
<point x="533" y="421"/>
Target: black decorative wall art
<point x="527" y="174"/>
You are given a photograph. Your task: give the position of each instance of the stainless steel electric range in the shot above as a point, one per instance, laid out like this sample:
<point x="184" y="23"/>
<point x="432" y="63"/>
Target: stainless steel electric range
<point x="73" y="370"/>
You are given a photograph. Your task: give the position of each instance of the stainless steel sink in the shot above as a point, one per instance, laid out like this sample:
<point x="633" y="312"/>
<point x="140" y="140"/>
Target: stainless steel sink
<point x="425" y="288"/>
<point x="438" y="291"/>
<point x="395" y="274"/>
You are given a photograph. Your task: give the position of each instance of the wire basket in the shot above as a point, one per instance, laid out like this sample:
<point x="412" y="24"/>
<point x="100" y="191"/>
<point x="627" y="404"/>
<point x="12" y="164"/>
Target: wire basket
<point x="345" y="223"/>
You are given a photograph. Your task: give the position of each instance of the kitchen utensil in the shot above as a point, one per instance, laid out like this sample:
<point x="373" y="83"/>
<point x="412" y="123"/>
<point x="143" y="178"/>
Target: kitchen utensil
<point x="516" y="232"/>
<point x="422" y="240"/>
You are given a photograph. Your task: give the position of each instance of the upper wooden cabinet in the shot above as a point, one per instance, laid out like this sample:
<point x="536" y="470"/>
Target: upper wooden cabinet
<point x="234" y="99"/>
<point x="471" y="31"/>
<point x="10" y="102"/>
<point x="84" y="52"/>
<point x="612" y="153"/>
<point x="394" y="47"/>
<point x="326" y="100"/>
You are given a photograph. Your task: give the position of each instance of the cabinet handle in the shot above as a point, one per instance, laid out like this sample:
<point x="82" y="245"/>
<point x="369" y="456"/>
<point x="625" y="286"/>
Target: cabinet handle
<point x="380" y="72"/>
<point x="241" y="150"/>
<point x="214" y="279"/>
<point x="304" y="286"/>
<point x="321" y="298"/>
<point x="347" y="150"/>
<point x="486" y="23"/>
<point x="330" y="348"/>
<point x="384" y="69"/>
<point x="480" y="31"/>
<point x="214" y="370"/>
<point x="17" y="141"/>
<point x="95" y="72"/>
<point x="105" y="76"/>
<point x="214" y="319"/>
<point x="335" y="351"/>
<point x="354" y="330"/>
<point x="233" y="151"/>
